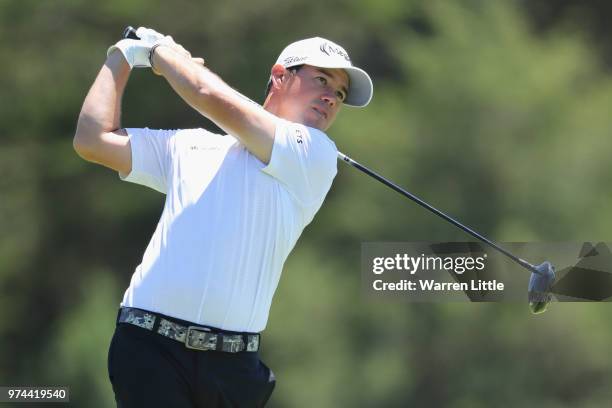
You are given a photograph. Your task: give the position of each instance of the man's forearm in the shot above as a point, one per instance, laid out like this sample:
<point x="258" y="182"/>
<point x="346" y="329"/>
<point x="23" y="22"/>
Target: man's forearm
<point x="212" y="97"/>
<point x="196" y="84"/>
<point x="101" y="109"/>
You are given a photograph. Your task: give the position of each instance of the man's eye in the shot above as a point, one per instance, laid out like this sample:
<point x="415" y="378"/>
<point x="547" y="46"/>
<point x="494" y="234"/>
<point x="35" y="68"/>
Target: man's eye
<point x="322" y="80"/>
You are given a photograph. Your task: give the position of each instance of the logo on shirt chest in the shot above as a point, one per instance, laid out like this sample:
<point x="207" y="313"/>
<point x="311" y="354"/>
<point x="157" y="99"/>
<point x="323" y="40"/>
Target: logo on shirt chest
<point x="203" y="148"/>
<point x="299" y="136"/>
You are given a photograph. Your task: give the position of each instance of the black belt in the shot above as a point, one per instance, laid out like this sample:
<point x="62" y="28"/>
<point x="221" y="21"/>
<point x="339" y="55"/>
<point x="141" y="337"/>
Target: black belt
<point x="194" y="337"/>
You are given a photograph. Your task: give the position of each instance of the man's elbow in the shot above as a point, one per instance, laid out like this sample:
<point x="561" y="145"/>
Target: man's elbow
<point x="80" y="147"/>
<point x="84" y="142"/>
<point x="86" y="136"/>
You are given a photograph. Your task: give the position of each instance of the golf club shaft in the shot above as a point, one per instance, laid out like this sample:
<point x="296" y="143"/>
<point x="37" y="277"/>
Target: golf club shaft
<point x="434" y="210"/>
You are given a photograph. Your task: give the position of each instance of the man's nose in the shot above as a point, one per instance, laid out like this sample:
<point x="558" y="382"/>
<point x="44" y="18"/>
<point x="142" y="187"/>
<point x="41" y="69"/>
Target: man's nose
<point x="330" y="98"/>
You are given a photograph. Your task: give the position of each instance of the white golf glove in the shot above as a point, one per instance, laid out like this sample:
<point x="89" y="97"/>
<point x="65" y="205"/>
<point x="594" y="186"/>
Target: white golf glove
<point x="149" y="35"/>
<point x="136" y="52"/>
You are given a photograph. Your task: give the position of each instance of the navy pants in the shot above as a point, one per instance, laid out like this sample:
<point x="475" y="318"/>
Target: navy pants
<point x="150" y="370"/>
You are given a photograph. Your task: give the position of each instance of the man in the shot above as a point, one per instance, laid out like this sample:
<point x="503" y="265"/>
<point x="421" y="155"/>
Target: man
<point x="187" y="330"/>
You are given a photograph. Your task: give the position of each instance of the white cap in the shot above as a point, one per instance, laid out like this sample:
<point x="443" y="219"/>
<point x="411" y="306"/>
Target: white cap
<point x="323" y="53"/>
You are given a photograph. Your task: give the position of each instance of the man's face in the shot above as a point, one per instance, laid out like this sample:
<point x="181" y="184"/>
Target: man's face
<point x="313" y="96"/>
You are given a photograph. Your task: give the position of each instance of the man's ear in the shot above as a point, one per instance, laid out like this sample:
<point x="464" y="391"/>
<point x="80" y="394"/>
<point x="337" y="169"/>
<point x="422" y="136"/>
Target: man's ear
<point x="279" y="74"/>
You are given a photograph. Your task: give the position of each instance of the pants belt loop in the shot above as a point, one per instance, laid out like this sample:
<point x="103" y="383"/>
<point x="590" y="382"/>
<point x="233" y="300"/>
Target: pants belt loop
<point x="219" y="345"/>
<point x="156" y="324"/>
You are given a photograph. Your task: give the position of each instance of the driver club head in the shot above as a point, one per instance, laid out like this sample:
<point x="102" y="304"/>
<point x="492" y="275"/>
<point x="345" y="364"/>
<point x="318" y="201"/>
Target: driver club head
<point x="540" y="283"/>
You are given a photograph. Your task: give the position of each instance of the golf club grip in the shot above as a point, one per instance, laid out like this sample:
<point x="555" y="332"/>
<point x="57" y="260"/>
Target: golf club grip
<point x="434" y="210"/>
<point x="130" y="32"/>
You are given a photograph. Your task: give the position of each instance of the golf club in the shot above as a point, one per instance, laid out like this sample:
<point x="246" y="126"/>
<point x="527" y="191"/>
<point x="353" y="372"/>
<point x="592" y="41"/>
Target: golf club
<point x="542" y="275"/>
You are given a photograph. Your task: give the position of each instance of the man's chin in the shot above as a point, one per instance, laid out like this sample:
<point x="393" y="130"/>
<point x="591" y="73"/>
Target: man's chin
<point x="317" y="124"/>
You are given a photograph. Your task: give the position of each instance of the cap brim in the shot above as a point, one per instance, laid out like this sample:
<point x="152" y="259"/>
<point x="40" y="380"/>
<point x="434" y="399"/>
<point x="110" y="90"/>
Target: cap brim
<point x="360" y="87"/>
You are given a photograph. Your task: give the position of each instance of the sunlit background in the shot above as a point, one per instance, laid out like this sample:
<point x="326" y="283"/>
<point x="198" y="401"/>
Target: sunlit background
<point x="498" y="112"/>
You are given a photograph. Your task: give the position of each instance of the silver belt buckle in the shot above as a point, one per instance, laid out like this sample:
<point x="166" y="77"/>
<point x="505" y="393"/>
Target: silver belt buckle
<point x="200" y="338"/>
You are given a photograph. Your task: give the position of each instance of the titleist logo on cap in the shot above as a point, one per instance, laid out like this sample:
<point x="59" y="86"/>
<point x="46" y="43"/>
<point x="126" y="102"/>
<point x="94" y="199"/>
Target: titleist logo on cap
<point x="329" y="49"/>
<point x="294" y="60"/>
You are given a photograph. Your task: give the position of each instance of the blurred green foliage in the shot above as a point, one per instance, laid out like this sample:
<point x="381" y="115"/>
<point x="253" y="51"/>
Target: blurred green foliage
<point x="495" y="111"/>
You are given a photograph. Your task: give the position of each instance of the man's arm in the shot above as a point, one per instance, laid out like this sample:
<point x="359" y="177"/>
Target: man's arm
<point x="213" y="98"/>
<point x="98" y="136"/>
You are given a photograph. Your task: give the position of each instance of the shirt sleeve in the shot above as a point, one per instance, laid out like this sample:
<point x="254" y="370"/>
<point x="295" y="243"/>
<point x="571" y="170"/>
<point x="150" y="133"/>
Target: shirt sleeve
<point x="304" y="160"/>
<point x="151" y="157"/>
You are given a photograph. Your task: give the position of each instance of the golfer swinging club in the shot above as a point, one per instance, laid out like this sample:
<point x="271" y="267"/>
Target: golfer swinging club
<point x="188" y="327"/>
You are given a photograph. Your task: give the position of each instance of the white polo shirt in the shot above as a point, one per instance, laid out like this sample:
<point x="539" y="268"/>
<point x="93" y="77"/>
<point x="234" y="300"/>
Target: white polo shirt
<point x="229" y="221"/>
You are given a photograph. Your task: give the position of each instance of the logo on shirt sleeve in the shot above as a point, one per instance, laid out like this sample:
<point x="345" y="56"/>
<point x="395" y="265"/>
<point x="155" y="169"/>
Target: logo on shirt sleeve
<point x="299" y="136"/>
